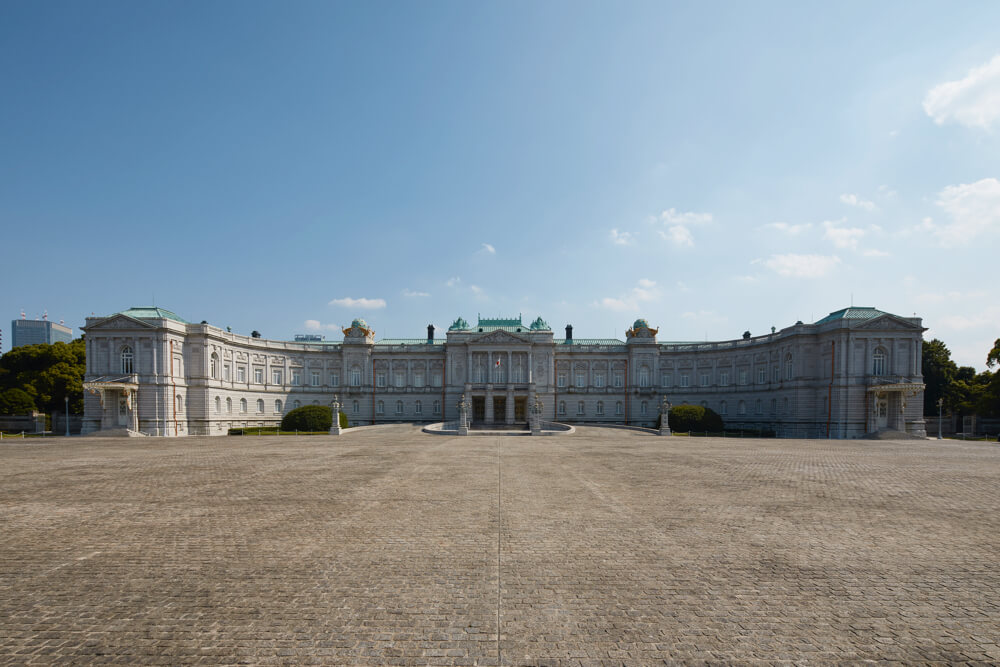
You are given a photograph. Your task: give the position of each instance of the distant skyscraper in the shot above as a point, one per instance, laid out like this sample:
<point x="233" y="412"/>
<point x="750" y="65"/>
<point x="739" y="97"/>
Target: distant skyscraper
<point x="32" y="332"/>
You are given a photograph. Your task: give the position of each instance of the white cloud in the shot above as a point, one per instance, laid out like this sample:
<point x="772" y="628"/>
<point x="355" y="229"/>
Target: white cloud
<point x="476" y="289"/>
<point x="982" y="318"/>
<point x="316" y="325"/>
<point x="453" y="281"/>
<point x="973" y="101"/>
<point x="411" y="293"/>
<point x="679" y="235"/>
<point x="621" y="238"/>
<point x="872" y="252"/>
<point x="800" y="266"/>
<point x="842" y="237"/>
<point x="784" y="227"/>
<point x="488" y="249"/>
<point x="705" y="317"/>
<point x="854" y="200"/>
<point x="644" y="292"/>
<point x="886" y="192"/>
<point x="674" y="217"/>
<point x="363" y="303"/>
<point x="974" y="209"/>
<point x="747" y="278"/>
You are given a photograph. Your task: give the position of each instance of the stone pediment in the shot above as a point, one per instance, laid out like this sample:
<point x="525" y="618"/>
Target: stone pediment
<point x="119" y="321"/>
<point x="888" y="322"/>
<point x="499" y="337"/>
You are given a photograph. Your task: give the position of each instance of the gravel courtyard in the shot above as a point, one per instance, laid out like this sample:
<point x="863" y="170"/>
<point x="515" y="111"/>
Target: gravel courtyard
<point x="389" y="546"/>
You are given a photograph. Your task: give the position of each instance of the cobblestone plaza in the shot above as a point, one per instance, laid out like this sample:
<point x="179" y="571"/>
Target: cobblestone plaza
<point x="388" y="546"/>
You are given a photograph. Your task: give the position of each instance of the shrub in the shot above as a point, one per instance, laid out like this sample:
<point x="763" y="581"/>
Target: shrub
<point x="342" y="419"/>
<point x="308" y="418"/>
<point x="687" y="418"/>
<point x="16" y="402"/>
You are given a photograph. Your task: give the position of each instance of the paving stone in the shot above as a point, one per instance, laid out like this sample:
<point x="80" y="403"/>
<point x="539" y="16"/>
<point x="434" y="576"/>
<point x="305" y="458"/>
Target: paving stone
<point x="603" y="548"/>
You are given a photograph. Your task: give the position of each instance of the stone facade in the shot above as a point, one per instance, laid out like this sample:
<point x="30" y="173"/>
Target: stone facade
<point x="853" y="372"/>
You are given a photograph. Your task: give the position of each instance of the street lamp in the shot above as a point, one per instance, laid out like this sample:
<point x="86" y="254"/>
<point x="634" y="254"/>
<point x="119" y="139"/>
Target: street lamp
<point x="940" y="404"/>
<point x="67" y="416"/>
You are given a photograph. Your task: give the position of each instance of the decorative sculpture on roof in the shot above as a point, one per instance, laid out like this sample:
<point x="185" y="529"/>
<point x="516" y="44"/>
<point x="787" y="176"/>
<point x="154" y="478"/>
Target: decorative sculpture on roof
<point x="641" y="329"/>
<point x="359" y="329"/>
<point x="459" y="325"/>
<point x="540" y="325"/>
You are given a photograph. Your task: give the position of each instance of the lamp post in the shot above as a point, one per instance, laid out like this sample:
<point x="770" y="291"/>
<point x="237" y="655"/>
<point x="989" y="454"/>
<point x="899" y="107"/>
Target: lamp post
<point x="67" y="416"/>
<point x="940" y="403"/>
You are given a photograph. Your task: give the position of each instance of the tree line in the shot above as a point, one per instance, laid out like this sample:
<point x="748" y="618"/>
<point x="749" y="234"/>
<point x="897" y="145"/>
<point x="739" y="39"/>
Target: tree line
<point x="963" y="390"/>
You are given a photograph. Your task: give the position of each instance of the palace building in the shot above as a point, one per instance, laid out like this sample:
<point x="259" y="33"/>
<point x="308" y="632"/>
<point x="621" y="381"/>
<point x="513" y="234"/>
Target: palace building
<point x="856" y="371"/>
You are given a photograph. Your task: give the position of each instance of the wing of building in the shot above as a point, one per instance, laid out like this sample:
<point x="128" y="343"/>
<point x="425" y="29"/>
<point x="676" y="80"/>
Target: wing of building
<point x="854" y="372"/>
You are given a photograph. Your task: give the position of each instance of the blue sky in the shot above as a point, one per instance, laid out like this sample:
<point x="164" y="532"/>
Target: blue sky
<point x="712" y="167"/>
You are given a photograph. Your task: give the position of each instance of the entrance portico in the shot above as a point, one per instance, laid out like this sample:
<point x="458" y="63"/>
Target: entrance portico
<point x="118" y="398"/>
<point x="886" y="398"/>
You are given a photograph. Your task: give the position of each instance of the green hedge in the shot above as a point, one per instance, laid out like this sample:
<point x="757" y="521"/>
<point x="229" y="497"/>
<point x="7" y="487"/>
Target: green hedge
<point x="308" y="418"/>
<point x="686" y="418"/>
<point x="343" y="420"/>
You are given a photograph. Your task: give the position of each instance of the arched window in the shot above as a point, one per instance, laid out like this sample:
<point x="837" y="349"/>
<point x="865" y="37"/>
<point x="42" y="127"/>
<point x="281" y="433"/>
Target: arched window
<point x="579" y="407"/>
<point x="741" y="408"/>
<point x="723" y="408"/>
<point x="354" y="407"/>
<point x="562" y="407"/>
<point x="399" y="407"/>
<point x="260" y="405"/>
<point x="644" y="376"/>
<point x="437" y="407"/>
<point x="757" y="407"/>
<point x="878" y="362"/>
<point x="180" y="403"/>
<point x="218" y="404"/>
<point x="788" y="367"/>
<point x="619" y="408"/>
<point x="642" y="408"/>
<point x="380" y="408"/>
<point x="418" y="408"/>
<point x="215" y="366"/>
<point x="127" y="359"/>
<point x="774" y="405"/>
<point x="229" y="406"/>
<point x="600" y="407"/>
<point x="277" y="407"/>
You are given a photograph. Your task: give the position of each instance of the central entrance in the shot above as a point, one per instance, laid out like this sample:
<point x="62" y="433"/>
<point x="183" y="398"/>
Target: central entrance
<point x="478" y="409"/>
<point x="499" y="409"/>
<point x="520" y="409"/>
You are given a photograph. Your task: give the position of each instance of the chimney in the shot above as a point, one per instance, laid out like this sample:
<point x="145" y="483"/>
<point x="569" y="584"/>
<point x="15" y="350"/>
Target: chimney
<point x="430" y="334"/>
<point x="569" y="333"/>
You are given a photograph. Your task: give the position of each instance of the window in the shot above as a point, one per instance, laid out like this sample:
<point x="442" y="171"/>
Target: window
<point x="214" y="366"/>
<point x="723" y="408"/>
<point x="180" y="403"/>
<point x="314" y="378"/>
<point x="743" y="376"/>
<point x="418" y="379"/>
<point x="380" y="379"/>
<point x="355" y="378"/>
<point x="619" y="408"/>
<point x="619" y="379"/>
<point x="642" y="408"/>
<point x="561" y="382"/>
<point x="878" y="362"/>
<point x="334" y="379"/>
<point x="600" y="408"/>
<point x="241" y="373"/>
<point x="218" y="405"/>
<point x="258" y="376"/>
<point x="599" y="380"/>
<point x="579" y="408"/>
<point x="380" y="408"/>
<point x="724" y="378"/>
<point x="436" y="379"/>
<point x="784" y="406"/>
<point x="437" y="407"/>
<point x="581" y="380"/>
<point x="644" y="377"/>
<point x="776" y="375"/>
<point x="704" y="379"/>
<point x="297" y="404"/>
<point x="354" y="407"/>
<point x="761" y="375"/>
<point x="665" y="379"/>
<point x="277" y="407"/>
<point x="127" y="359"/>
<point x="774" y="405"/>
<point x="229" y="406"/>
<point x="757" y="408"/>
<point x="399" y="407"/>
<point x="685" y="380"/>
<point x="400" y="379"/>
<point x="296" y="378"/>
<point x="562" y="407"/>
<point x="260" y="405"/>
<point x="418" y="408"/>
<point x="227" y="373"/>
<point x="276" y="378"/>
<point x="741" y="408"/>
<point x="788" y="367"/>
<point x="243" y="405"/>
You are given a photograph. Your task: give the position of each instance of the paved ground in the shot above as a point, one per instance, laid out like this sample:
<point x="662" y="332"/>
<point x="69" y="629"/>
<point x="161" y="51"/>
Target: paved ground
<point x="392" y="547"/>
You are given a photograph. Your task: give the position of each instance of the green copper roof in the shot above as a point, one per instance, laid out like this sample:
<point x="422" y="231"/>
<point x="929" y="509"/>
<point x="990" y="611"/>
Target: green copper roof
<point x="589" y="341"/>
<point x="459" y="325"/>
<point x="360" y="323"/>
<point x="540" y="325"/>
<point x="640" y="324"/>
<point x="852" y="313"/>
<point x="499" y="322"/>
<point x="408" y="341"/>
<point x="153" y="313"/>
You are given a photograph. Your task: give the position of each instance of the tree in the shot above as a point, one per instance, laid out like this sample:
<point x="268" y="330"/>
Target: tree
<point x="993" y="358"/>
<point x="308" y="418"/>
<point x="16" y="402"/>
<point x="48" y="373"/>
<point x="687" y="418"/>
<point x="939" y="375"/>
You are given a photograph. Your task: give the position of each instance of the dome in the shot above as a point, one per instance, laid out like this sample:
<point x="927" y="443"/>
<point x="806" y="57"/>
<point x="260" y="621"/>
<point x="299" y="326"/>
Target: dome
<point x="359" y="323"/>
<point x="459" y="325"/>
<point x="640" y="324"/>
<point x="539" y="325"/>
